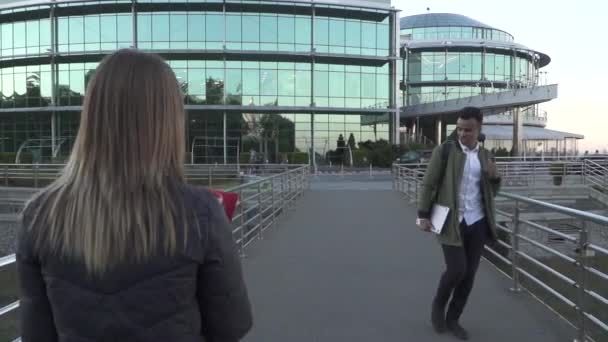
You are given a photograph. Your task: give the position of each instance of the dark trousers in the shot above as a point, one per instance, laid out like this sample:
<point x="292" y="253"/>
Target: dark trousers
<point x="461" y="266"/>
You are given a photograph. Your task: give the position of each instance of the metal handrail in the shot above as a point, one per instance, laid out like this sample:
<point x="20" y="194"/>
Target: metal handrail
<point x="42" y="174"/>
<point x="272" y="195"/>
<point x="525" y="173"/>
<point x="404" y="176"/>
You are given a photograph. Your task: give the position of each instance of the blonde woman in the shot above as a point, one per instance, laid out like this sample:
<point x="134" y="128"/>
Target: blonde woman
<point x="119" y="248"/>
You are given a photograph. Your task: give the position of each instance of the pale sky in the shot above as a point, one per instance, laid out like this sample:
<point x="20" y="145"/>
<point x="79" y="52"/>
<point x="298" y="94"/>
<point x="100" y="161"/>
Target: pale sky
<point x="570" y="33"/>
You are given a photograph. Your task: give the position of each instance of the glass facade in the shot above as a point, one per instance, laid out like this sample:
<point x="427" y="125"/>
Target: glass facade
<point x="228" y="53"/>
<point x="33" y="131"/>
<point x="474" y="69"/>
<point x="455" y="32"/>
<point x="462" y="71"/>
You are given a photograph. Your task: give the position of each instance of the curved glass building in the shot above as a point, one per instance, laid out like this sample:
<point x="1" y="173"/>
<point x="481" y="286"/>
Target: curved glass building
<point x="449" y="57"/>
<point x="278" y="77"/>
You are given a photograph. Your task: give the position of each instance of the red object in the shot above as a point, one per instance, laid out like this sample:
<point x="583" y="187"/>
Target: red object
<point x="229" y="200"/>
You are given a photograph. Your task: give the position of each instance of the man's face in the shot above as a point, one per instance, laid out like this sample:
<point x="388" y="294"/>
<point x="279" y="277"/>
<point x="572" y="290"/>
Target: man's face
<point x="468" y="131"/>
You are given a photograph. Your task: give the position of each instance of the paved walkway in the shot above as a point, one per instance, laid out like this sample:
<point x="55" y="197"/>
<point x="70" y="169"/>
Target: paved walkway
<point x="349" y="265"/>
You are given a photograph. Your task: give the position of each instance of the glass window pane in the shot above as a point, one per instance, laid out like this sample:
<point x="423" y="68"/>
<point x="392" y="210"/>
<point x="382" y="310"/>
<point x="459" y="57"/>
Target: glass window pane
<point x="251" y="28"/>
<point x="20" y="83"/>
<point x="268" y="29"/>
<point x="233" y="28"/>
<point x="303" y="32"/>
<point x="466" y="65"/>
<point x="321" y="84"/>
<point x="234" y="82"/>
<point x="499" y="67"/>
<point x="91" y="29"/>
<point x="196" y="82"/>
<point x="144" y="28"/>
<point x="125" y="27"/>
<point x="215" y="86"/>
<point x="321" y="31"/>
<point x="336" y="81"/>
<point x="287" y="29"/>
<point x="368" y="35"/>
<point x="353" y="84"/>
<point x="251" y="82"/>
<point x="489" y="67"/>
<point x="336" y="32"/>
<point x="179" y="27"/>
<point x="77" y="81"/>
<point x="33" y="33"/>
<point x="303" y="83"/>
<point x="160" y="28"/>
<point x="368" y="82"/>
<point x="453" y="64"/>
<point x="286" y="82"/>
<point x="383" y="37"/>
<point x="215" y="27"/>
<point x="76" y="30"/>
<point x="7" y="37"/>
<point x="196" y="27"/>
<point x="19" y="35"/>
<point x="476" y="64"/>
<point x="45" y="84"/>
<point x="7" y="84"/>
<point x="382" y="86"/>
<point x="353" y="33"/>
<point x="268" y="82"/>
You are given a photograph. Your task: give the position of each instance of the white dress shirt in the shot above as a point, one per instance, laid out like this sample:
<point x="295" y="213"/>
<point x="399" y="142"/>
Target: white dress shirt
<point x="469" y="200"/>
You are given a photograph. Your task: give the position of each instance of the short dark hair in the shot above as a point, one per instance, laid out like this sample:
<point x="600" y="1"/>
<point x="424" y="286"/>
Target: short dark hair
<point x="467" y="113"/>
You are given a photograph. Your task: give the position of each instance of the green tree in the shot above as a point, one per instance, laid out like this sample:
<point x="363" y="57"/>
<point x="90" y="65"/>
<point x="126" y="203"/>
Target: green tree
<point x="279" y="132"/>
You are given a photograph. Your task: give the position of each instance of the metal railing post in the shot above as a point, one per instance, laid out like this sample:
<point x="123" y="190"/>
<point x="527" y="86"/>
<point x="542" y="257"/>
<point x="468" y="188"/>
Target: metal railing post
<point x="273" y="200"/>
<point x="300" y="175"/>
<point x="260" y="211"/>
<point x="242" y="209"/>
<point x="416" y="188"/>
<point x="35" y="175"/>
<point x="282" y="192"/>
<point x="515" y="249"/>
<point x="584" y="172"/>
<point x="409" y="187"/>
<point x="6" y="175"/>
<point x="605" y="183"/>
<point x="581" y="263"/>
<point x="210" y="179"/>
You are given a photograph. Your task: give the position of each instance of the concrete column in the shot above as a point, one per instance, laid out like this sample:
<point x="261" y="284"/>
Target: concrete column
<point x="312" y="143"/>
<point x="224" y="124"/>
<point x="53" y="134"/>
<point x="134" y="19"/>
<point x="438" y="131"/>
<point x="394" y="79"/>
<point x="517" y="131"/>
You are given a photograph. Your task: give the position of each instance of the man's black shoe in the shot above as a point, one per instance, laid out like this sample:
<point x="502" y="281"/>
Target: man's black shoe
<point x="438" y="320"/>
<point x="458" y="331"/>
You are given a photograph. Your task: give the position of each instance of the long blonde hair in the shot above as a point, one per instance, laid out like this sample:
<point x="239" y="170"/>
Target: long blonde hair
<point x="117" y="196"/>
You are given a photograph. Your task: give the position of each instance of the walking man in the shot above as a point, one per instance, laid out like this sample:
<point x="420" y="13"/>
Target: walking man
<point x="461" y="176"/>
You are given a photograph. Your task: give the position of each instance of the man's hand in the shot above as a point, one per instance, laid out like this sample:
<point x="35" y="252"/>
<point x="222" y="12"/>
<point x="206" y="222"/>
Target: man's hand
<point x="425" y="225"/>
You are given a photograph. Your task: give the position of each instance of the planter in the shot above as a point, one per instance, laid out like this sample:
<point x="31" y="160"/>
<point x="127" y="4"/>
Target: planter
<point x="557" y="180"/>
<point x="558" y="171"/>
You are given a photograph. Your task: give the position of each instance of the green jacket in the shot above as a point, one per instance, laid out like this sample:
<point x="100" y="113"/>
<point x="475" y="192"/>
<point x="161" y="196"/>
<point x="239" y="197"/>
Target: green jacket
<point x="450" y="187"/>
